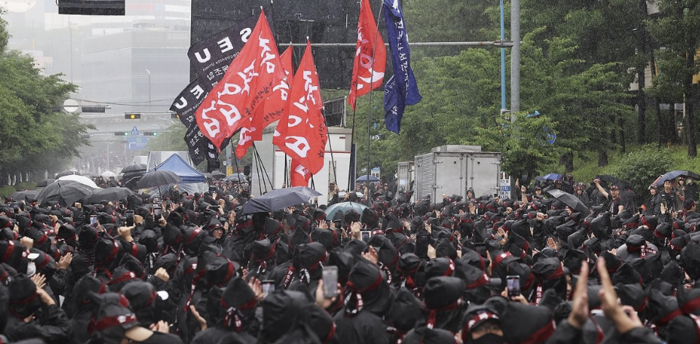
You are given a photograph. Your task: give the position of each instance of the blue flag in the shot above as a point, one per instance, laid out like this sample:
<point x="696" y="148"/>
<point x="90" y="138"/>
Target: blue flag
<point x="401" y="89"/>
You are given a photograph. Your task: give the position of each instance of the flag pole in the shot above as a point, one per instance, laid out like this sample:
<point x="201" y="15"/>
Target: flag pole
<point x="352" y="136"/>
<point x="371" y="81"/>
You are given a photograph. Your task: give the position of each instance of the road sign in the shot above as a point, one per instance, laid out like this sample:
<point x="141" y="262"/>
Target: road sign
<point x="71" y="105"/>
<point x="134" y="131"/>
<point x="504" y="190"/>
<point x="136" y="142"/>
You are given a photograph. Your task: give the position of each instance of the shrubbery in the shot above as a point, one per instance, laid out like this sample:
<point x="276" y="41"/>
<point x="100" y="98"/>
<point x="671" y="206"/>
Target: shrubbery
<point x="642" y="167"/>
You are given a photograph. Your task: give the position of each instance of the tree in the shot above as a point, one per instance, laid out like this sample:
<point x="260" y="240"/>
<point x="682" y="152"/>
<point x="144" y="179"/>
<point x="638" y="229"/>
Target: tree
<point x="523" y="143"/>
<point x="460" y="94"/>
<point x="34" y="135"/>
<point x="584" y="99"/>
<point x="171" y="139"/>
<point x="605" y="33"/>
<point x="677" y="33"/>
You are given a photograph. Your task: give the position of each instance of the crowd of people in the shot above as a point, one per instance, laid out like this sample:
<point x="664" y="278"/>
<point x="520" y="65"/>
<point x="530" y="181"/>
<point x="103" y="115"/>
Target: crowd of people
<point x="182" y="268"/>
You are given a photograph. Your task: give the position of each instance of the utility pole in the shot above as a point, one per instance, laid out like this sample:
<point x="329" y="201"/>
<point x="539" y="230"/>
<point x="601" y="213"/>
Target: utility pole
<point x="515" y="58"/>
<point x="503" y="64"/>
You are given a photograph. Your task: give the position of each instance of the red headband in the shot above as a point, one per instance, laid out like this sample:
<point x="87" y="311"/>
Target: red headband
<point x="8" y="252"/>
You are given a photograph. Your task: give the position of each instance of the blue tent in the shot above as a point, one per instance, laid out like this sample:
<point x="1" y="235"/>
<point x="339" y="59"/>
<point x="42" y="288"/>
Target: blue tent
<point x="178" y="166"/>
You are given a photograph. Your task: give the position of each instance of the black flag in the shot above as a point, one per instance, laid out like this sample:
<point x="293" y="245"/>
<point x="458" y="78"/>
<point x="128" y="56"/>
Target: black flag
<point x="187" y="102"/>
<point x="197" y="144"/>
<point x="211" y="56"/>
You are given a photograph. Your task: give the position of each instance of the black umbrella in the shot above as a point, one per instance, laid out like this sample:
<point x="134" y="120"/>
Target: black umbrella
<point x="279" y="199"/>
<point x="158" y="178"/>
<point x="673" y="175"/>
<point x="45" y="182"/>
<point x="24" y="195"/>
<point x="66" y="192"/>
<point x="236" y="177"/>
<point x="218" y="175"/>
<point x="66" y="173"/>
<point x="570" y="200"/>
<point x="131" y="182"/>
<point x="109" y="194"/>
<point x="134" y="168"/>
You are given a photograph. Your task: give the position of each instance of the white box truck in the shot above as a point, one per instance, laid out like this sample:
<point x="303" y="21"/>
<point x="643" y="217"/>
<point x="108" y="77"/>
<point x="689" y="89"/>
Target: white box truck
<point x="454" y="170"/>
<point x="405" y="174"/>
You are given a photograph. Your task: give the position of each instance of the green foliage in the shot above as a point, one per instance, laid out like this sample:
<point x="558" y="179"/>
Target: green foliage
<point x="523" y="143"/>
<point x="6" y="191"/>
<point x="585" y="99"/>
<point x="676" y="31"/>
<point x="642" y="167"/>
<point x="4" y="35"/>
<point x="33" y="136"/>
<point x="450" y="20"/>
<point x="460" y="94"/>
<point x="25" y="186"/>
<point x="172" y="139"/>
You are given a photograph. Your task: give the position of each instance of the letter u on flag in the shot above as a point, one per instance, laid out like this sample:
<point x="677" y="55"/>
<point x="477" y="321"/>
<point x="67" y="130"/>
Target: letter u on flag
<point x="229" y="105"/>
<point x="401" y="89"/>
<point x="303" y="135"/>
<point x="370" y="56"/>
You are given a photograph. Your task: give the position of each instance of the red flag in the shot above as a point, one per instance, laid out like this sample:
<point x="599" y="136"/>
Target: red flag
<point x="273" y="109"/>
<point x="246" y="84"/>
<point x="370" y="64"/>
<point x="303" y="134"/>
<point x="299" y="175"/>
<point x="287" y="65"/>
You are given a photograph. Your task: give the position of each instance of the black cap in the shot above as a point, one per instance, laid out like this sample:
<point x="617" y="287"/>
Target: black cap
<point x="443" y="291"/>
<point x="689" y="300"/>
<point x="141" y="295"/>
<point x="632" y="295"/>
<point x="527" y="324"/>
<point x="405" y="311"/>
<point x="442" y="266"/>
<point x="664" y="308"/>
<point x="626" y="274"/>
<point x="690" y="259"/>
<point x="113" y="317"/>
<point x="475" y="277"/>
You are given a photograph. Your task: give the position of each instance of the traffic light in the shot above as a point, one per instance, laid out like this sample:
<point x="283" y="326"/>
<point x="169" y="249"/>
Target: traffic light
<point x="132" y="116"/>
<point x="150" y="133"/>
<point x="121" y="133"/>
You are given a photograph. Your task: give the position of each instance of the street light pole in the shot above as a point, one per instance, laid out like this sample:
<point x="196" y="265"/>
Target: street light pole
<point x="149" y="88"/>
<point x="515" y="58"/>
<point x="503" y="63"/>
<point x="70" y="31"/>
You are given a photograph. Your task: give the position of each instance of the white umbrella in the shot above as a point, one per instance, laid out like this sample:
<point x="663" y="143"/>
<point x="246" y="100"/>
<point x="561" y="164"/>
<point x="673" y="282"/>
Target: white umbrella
<point x="81" y="179"/>
<point x="108" y="174"/>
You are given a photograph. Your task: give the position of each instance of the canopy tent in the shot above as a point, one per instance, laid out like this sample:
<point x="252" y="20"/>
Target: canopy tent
<point x="184" y="170"/>
<point x="192" y="180"/>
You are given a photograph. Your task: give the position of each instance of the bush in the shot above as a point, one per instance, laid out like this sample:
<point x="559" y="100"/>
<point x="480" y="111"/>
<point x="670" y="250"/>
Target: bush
<point x="6" y="191"/>
<point x="642" y="167"/>
<point x="25" y="186"/>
